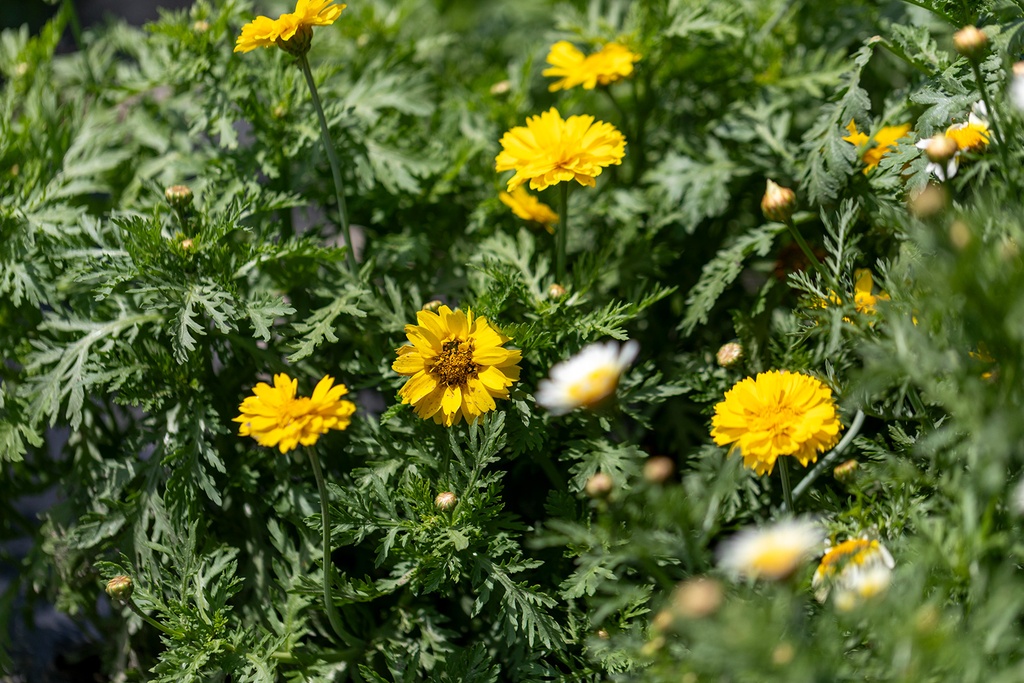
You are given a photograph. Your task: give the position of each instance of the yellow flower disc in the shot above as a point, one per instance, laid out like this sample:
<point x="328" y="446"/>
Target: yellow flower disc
<point x="266" y="32"/>
<point x="456" y="366"/>
<point x="274" y="416"/>
<point x="778" y="413"/>
<point x="550" y="150"/>
<point x="611" y="63"/>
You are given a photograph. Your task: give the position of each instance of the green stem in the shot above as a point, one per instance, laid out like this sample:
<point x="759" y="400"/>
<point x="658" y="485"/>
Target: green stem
<point x="325" y="523"/>
<point x="562" y="235"/>
<point x="804" y="247"/>
<point x="983" y="89"/>
<point x="150" y="620"/>
<point x="332" y="157"/>
<point x="787" y="490"/>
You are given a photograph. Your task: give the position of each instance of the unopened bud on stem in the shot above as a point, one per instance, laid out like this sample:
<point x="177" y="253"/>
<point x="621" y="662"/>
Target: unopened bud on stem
<point x="120" y="588"/>
<point x="599" y="485"/>
<point x="970" y="41"/>
<point x="445" y="501"/>
<point x="778" y="202"/>
<point x="940" y="148"/>
<point x="179" y="197"/>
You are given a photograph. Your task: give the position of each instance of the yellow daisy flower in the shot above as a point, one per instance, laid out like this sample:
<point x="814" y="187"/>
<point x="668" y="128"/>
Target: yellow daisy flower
<point x="266" y="32"/>
<point x="863" y="297"/>
<point x="457" y="366"/>
<point x="885" y="141"/>
<point x="550" y="150"/>
<point x="970" y="136"/>
<point x="611" y="63"/>
<point x="274" y="416"/>
<point x="779" y="413"/>
<point x="529" y="208"/>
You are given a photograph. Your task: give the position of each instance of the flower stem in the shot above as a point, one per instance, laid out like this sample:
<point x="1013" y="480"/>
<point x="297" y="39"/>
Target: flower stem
<point x="332" y="157"/>
<point x="150" y="620"/>
<point x="325" y="523"/>
<point x="806" y="248"/>
<point x="983" y="89"/>
<point x="787" y="490"/>
<point x="831" y="457"/>
<point x="562" y="235"/>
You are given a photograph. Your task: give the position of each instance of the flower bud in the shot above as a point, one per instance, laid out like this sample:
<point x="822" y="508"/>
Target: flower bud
<point x="298" y="44"/>
<point x="602" y="634"/>
<point x="959" y="235"/>
<point x="697" y="598"/>
<point x="120" y="588"/>
<point x="970" y="41"/>
<point x="778" y="202"/>
<point x="445" y="501"/>
<point x="783" y="654"/>
<point x="845" y="471"/>
<point x="501" y="87"/>
<point x="599" y="485"/>
<point x="659" y="469"/>
<point x="432" y="306"/>
<point x="940" y="148"/>
<point x="201" y="26"/>
<point x="556" y="291"/>
<point x="179" y="197"/>
<point x="929" y="202"/>
<point x="187" y="244"/>
<point x="729" y="355"/>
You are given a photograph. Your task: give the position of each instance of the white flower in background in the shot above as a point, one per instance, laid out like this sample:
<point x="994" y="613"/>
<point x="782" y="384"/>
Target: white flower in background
<point x="1017" y="86"/>
<point x="587" y="378"/>
<point x="856" y="569"/>
<point x="774" y="552"/>
<point x="1017" y="499"/>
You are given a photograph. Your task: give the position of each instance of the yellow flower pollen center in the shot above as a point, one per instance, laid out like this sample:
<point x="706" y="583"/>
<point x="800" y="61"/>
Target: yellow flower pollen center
<point x="598" y="384"/>
<point x="454" y="365"/>
<point x="775" y="562"/>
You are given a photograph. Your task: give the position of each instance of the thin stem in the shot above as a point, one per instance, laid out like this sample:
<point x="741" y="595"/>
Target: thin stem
<point x="804" y="247"/>
<point x="983" y="89"/>
<point x="833" y="455"/>
<point x="325" y="523"/>
<point x="562" y="235"/>
<point x="332" y="157"/>
<point x="787" y="491"/>
<point x="150" y="620"/>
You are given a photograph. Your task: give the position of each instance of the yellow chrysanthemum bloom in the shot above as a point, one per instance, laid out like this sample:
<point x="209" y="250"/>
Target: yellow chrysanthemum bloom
<point x="457" y="366"/>
<point x="274" y="416"/>
<point x="970" y="136"/>
<point x="266" y="32"/>
<point x="885" y="141"/>
<point x="779" y="413"/>
<point x="550" y="150"/>
<point x="529" y="208"/>
<point x="611" y="63"/>
<point x="864" y="298"/>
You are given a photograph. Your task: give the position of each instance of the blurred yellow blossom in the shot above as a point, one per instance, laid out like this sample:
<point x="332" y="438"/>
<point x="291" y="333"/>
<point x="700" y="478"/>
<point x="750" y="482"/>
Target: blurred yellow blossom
<point x="611" y="63"/>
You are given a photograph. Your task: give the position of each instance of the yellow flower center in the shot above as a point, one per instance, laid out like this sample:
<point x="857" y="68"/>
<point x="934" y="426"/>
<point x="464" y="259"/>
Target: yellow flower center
<point x="454" y="365"/>
<point x="774" y="419"/>
<point x="776" y="562"/>
<point x="598" y="384"/>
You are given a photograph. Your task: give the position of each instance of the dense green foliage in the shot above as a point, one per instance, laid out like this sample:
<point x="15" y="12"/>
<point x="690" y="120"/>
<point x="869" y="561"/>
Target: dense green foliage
<point x="131" y="331"/>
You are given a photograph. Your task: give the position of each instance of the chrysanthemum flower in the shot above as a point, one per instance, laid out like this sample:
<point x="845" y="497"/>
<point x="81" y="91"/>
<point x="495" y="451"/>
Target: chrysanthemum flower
<point x="586" y="379"/>
<point x="779" y="413"/>
<point x="864" y="298"/>
<point x="611" y="63"/>
<point x="771" y="553"/>
<point x="529" y="208"/>
<point x="550" y="150"/>
<point x="457" y="366"/>
<point x="857" y="569"/>
<point x="274" y="416"/>
<point x="266" y="32"/>
<point x="885" y="141"/>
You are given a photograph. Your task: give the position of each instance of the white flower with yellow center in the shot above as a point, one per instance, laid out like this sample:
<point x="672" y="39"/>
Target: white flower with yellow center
<point x="771" y="553"/>
<point x="587" y="378"/>
<point x="857" y="568"/>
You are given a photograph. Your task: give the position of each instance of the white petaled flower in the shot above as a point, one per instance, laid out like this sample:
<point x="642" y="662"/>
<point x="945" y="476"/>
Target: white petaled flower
<point x="1016" y="91"/>
<point x="1017" y="499"/>
<point x="774" y="552"/>
<point x="857" y="569"/>
<point x="587" y="378"/>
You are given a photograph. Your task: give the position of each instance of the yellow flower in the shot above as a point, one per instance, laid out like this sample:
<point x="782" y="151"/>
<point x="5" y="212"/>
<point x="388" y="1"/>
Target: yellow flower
<point x="457" y="366"/>
<point x="970" y="136"/>
<point x="778" y="413"/>
<point x="611" y="63"/>
<point x="550" y="150"/>
<point x="863" y="299"/>
<point x="266" y="32"/>
<point x="858" y="568"/>
<point x="274" y="416"/>
<point x="885" y="141"/>
<point x="772" y="553"/>
<point x="529" y="208"/>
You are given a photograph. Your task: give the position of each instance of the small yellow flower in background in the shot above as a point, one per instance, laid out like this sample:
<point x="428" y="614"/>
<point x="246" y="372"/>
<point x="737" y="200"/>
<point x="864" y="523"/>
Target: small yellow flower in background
<point x="885" y="142"/>
<point x="863" y="298"/>
<point x="550" y="150"/>
<point x="777" y="414"/>
<point x="457" y="366"/>
<point x="970" y="136"/>
<point x="611" y="63"/>
<point x="266" y="32"/>
<point x="274" y="416"/>
<point x="857" y="569"/>
<point x="529" y="208"/>
<point x="586" y="379"/>
<point x="771" y="553"/>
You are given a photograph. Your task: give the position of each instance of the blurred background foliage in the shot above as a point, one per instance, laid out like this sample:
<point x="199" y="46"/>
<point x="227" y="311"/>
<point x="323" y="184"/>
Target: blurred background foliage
<point x="131" y="331"/>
